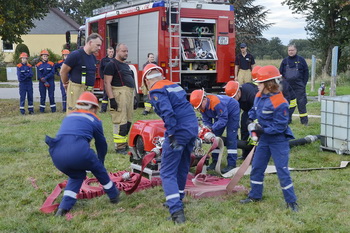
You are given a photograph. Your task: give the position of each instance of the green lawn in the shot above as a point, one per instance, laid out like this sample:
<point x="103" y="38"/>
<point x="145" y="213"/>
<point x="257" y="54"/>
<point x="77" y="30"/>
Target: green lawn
<point x="323" y="195"/>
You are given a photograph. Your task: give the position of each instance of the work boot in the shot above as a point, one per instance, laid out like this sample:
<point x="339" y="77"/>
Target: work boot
<point x="227" y="169"/>
<point x="31" y="113"/>
<point x="145" y="112"/>
<point x="114" y="200"/>
<point x="249" y="200"/>
<point x="123" y="151"/>
<point x="212" y="166"/>
<point x="293" y="206"/>
<point x="61" y="212"/>
<point x="178" y="217"/>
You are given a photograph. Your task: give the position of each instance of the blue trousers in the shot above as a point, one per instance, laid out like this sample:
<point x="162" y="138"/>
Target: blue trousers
<point x="231" y="143"/>
<point x="278" y="148"/>
<point x="72" y="155"/>
<point x="173" y="172"/>
<point x="26" y="89"/>
<point x="51" y="92"/>
<point x="64" y="97"/>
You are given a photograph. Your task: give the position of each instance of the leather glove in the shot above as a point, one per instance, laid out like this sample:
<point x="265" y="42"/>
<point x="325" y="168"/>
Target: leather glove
<point x="46" y="84"/>
<point x="173" y="142"/>
<point x="43" y="80"/>
<point x="113" y="104"/>
<point x="136" y="103"/>
<point x="258" y="129"/>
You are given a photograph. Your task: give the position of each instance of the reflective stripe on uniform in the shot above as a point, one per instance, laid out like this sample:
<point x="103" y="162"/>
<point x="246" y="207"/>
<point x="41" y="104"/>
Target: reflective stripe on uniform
<point x="174" y="89"/>
<point x="181" y="191"/>
<point x="216" y="151"/>
<point x="42" y="106"/>
<point x="53" y="105"/>
<point x="256" y="182"/>
<point x="148" y="105"/>
<point x="81" y="115"/>
<point x="267" y="112"/>
<point x="172" y="196"/>
<point x="108" y="185"/>
<point x="70" y="194"/>
<point x="232" y="151"/>
<point x="288" y="186"/>
<point x="105" y="101"/>
<point x="119" y="138"/>
<point x="31" y="106"/>
<point x="303" y="115"/>
<point x="21" y="107"/>
<point x="293" y="103"/>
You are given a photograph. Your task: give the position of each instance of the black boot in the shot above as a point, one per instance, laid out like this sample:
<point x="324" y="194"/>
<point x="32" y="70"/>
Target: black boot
<point x="293" y="206"/>
<point x="178" y="217"/>
<point x="145" y="112"/>
<point x="249" y="200"/>
<point x="61" y="212"/>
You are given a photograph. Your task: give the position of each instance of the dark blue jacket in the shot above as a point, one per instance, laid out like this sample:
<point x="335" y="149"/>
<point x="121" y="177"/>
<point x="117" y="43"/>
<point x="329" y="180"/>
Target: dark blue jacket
<point x="24" y="72"/>
<point x="46" y="70"/>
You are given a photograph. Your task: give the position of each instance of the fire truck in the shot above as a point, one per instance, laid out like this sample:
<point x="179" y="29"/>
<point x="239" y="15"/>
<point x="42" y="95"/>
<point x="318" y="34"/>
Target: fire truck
<point x="193" y="41"/>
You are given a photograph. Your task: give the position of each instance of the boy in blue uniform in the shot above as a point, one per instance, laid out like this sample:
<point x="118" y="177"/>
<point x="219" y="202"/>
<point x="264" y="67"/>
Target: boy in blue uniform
<point x="170" y="103"/>
<point x="25" y="74"/>
<point x="219" y="112"/>
<point x="271" y="110"/>
<point x="58" y="66"/>
<point x="71" y="153"/>
<point x="46" y="73"/>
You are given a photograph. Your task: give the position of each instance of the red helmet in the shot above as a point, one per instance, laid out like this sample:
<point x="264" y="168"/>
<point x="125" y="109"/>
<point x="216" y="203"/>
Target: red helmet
<point x="23" y="55"/>
<point x="65" y="52"/>
<point x="255" y="71"/>
<point x="86" y="98"/>
<point x="148" y="68"/>
<point x="196" y="98"/>
<point x="44" y="52"/>
<point x="267" y="73"/>
<point x="232" y="88"/>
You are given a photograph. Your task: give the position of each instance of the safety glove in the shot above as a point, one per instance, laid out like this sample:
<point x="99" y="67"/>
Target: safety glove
<point x="46" y="84"/>
<point x="113" y="104"/>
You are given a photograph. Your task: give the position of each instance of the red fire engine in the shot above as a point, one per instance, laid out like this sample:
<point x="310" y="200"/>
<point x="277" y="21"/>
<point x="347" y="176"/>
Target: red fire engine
<point x="193" y="41"/>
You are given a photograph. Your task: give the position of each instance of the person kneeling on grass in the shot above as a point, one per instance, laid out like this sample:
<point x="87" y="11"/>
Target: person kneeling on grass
<point x="271" y="110"/>
<point x="71" y="153"/>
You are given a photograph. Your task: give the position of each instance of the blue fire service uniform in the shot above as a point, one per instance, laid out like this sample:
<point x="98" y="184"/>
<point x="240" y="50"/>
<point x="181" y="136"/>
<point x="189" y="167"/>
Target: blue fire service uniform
<point x="170" y="103"/>
<point x="224" y="111"/>
<point x="296" y="72"/>
<point x="71" y="154"/>
<point x="271" y="110"/>
<point x="25" y="74"/>
<point x="57" y="68"/>
<point x="46" y="76"/>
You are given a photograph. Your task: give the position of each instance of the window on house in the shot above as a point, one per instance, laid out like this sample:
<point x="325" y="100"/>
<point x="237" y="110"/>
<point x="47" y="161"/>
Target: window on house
<point x="7" y="47"/>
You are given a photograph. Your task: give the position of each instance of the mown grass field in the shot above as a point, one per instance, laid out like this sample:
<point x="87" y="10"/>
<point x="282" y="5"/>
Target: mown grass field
<point x="324" y="198"/>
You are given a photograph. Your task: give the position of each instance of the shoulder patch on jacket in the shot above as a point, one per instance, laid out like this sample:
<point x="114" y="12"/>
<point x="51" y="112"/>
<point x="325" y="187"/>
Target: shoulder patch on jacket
<point x="19" y="65"/>
<point x="50" y="63"/>
<point x="39" y="64"/>
<point x="277" y="100"/>
<point x="214" y="100"/>
<point x="258" y="94"/>
<point x="160" y="84"/>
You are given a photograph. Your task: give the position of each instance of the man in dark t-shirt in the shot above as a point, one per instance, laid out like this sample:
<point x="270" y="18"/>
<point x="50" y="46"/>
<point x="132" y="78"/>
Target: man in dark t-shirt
<point x="119" y="85"/>
<point x="81" y="67"/>
<point x="243" y="65"/>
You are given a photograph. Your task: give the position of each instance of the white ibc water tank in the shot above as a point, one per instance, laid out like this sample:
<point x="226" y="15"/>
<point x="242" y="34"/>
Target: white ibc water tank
<point x="335" y="124"/>
<point x="11" y="73"/>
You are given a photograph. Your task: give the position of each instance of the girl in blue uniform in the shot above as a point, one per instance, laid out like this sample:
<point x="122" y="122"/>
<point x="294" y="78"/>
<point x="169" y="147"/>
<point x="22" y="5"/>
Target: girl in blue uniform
<point x="271" y="110"/>
<point x="71" y="153"/>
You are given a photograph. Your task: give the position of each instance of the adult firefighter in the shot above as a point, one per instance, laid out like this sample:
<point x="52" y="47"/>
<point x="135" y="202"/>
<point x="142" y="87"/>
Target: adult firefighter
<point x="46" y="76"/>
<point x="244" y="64"/>
<point x="271" y="110"/>
<point x="147" y="104"/>
<point x="119" y="85"/>
<point x="296" y="72"/>
<point x="71" y="153"/>
<point x="58" y="66"/>
<point x="25" y="75"/>
<point x="219" y="112"/>
<point x="170" y="103"/>
<point x="245" y="96"/>
<point x="79" y="69"/>
<point x="104" y="62"/>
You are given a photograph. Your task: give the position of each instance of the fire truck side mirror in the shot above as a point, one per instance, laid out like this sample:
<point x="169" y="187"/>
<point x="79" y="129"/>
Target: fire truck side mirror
<point x="68" y="39"/>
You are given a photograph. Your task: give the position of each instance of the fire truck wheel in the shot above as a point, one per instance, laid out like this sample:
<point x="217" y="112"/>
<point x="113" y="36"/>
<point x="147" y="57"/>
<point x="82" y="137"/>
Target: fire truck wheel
<point x="140" y="147"/>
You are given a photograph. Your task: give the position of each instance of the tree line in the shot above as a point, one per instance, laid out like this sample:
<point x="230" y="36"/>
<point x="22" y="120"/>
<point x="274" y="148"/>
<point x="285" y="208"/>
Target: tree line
<point x="328" y="25"/>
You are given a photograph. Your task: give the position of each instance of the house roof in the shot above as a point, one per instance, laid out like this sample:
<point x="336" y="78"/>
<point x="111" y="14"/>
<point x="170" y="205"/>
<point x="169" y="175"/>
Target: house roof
<point x="55" y="22"/>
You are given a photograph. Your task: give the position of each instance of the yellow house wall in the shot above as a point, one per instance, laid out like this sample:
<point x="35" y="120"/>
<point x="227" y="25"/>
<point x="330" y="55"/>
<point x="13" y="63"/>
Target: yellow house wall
<point x="38" y="42"/>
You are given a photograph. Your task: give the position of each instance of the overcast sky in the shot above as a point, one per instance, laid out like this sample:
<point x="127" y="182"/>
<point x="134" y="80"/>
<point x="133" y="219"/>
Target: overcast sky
<point x="287" y="26"/>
